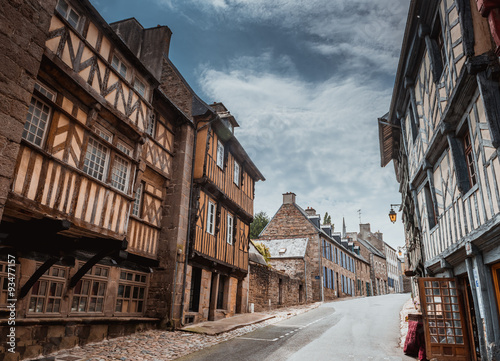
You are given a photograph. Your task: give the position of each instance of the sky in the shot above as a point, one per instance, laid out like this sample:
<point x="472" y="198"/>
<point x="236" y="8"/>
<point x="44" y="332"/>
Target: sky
<point x="306" y="80"/>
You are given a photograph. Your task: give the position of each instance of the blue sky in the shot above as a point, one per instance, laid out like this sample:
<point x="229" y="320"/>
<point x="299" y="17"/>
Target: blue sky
<point x="306" y="81"/>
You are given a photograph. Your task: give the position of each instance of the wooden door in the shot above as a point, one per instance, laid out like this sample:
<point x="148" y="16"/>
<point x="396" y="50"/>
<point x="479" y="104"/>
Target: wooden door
<point x="444" y="319"/>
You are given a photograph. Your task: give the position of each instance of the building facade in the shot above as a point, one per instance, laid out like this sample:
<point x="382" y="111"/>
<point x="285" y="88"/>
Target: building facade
<point x="87" y="194"/>
<point x="306" y="250"/>
<point x="442" y="133"/>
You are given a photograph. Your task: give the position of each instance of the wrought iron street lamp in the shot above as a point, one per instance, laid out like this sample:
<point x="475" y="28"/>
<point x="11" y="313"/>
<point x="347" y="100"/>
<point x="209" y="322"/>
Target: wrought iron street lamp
<point x="392" y="213"/>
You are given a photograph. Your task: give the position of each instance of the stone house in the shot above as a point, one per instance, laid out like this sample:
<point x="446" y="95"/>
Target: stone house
<point x="304" y="249"/>
<point x="442" y="133"/>
<point x="376" y="240"/>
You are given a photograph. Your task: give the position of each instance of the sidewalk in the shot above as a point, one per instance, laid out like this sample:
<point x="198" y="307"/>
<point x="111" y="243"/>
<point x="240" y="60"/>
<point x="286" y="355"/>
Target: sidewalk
<point x="160" y="345"/>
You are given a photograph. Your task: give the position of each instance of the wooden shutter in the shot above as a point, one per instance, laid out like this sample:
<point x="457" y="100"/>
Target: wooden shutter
<point x="444" y="319"/>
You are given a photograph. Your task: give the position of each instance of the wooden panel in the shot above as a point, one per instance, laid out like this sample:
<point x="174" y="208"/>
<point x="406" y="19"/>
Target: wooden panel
<point x="157" y="157"/>
<point x="444" y="319"/>
<point x="68" y="192"/>
<point x="72" y="49"/>
<point x="143" y="238"/>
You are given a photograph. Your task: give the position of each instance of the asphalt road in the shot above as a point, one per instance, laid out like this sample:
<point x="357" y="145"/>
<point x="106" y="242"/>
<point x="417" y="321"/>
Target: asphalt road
<point x="354" y="329"/>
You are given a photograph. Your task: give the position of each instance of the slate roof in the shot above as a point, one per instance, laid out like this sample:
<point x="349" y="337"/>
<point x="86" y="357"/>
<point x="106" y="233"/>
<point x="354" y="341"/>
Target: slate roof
<point x="294" y="247"/>
<point x="371" y="248"/>
<point x="254" y="255"/>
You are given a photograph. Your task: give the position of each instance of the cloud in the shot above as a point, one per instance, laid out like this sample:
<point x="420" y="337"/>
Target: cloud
<point x="319" y="140"/>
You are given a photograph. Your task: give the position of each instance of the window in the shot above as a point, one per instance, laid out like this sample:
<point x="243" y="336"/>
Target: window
<point x="136" y="208"/>
<point x="230" y="229"/>
<point x="336" y="256"/>
<point x="220" y="154"/>
<point x="36" y="121"/>
<point x="119" y="173"/>
<point x="150" y="129"/>
<point x="131" y="292"/>
<point x="89" y="292"/>
<point x="46" y="293"/>
<point x="96" y="159"/>
<point x="140" y="87"/>
<point x="104" y="134"/>
<point x="125" y="149"/>
<point x="325" y="278"/>
<point x="211" y="218"/>
<point x="68" y="13"/>
<point x="236" y="173"/>
<point x="469" y="159"/>
<point x="45" y="91"/>
<point x="4" y="283"/>
<point x="119" y="66"/>
<point x="431" y="211"/>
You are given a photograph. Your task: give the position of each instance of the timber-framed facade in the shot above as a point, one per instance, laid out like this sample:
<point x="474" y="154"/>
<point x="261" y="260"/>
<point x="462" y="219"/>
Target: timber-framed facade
<point x="89" y="190"/>
<point x="442" y="134"/>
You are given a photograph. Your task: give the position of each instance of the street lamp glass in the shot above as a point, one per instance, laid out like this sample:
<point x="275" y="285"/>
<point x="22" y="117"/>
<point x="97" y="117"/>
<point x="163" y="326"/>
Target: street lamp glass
<point x="392" y="216"/>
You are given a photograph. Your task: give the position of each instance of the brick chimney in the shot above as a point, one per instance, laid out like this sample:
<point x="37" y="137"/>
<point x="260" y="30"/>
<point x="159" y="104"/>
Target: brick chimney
<point x="289" y="198"/>
<point x="310" y="211"/>
<point x="364" y="229"/>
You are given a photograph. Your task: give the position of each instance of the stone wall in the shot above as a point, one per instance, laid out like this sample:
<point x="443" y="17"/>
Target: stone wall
<point x="265" y="284"/>
<point x="288" y="222"/>
<point x="35" y="337"/>
<point x="24" y="27"/>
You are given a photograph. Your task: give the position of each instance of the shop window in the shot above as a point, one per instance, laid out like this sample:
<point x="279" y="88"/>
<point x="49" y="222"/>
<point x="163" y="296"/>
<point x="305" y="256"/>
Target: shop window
<point x="89" y="293"/>
<point x="46" y="293"/>
<point x="131" y="295"/>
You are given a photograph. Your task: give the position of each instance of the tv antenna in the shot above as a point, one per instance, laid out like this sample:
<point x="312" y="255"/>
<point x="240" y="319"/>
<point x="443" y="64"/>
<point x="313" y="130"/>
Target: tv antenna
<point x="359" y="214"/>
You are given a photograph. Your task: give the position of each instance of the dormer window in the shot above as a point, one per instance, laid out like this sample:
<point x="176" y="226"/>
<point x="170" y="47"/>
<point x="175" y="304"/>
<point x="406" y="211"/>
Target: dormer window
<point x="68" y="13"/>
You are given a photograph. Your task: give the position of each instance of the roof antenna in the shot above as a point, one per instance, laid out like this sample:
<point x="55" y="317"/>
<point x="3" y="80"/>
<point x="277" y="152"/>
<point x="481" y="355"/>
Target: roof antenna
<point x="359" y="213"/>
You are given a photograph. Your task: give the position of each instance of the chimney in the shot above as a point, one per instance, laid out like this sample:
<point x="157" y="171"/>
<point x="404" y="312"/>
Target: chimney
<point x="364" y="229"/>
<point x="310" y="211"/>
<point x="289" y="198"/>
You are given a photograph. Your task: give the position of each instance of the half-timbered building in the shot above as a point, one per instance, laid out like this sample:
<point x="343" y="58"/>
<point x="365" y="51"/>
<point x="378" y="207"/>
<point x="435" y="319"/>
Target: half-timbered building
<point x="89" y="189"/>
<point x="443" y="135"/>
<point x="224" y="179"/>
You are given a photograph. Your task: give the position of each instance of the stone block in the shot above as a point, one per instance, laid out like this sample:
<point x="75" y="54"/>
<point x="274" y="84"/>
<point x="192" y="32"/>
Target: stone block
<point x="10" y="356"/>
<point x="56" y="331"/>
<point x="97" y="333"/>
<point x="32" y="351"/>
<point x="68" y="342"/>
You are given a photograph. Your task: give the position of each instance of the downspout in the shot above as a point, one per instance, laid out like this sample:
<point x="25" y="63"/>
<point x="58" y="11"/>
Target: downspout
<point x="321" y="275"/>
<point x="188" y="236"/>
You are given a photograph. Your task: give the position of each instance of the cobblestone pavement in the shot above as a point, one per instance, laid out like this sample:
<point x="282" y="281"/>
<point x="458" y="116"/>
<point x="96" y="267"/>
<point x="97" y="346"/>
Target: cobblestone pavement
<point x="159" y="345"/>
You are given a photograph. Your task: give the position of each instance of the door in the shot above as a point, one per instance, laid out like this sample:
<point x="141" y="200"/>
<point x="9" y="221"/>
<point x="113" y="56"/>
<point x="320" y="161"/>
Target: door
<point x="444" y="321"/>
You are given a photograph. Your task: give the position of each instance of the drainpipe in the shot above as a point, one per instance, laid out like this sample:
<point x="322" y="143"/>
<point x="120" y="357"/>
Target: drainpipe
<point x="186" y="243"/>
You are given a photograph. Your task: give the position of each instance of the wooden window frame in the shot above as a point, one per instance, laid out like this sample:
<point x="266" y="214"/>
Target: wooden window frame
<point x="140" y="86"/>
<point x="236" y="178"/>
<point x="55" y="276"/>
<point x="137" y="205"/>
<point x="151" y="126"/>
<point x="97" y="275"/>
<point x="469" y="159"/>
<point x="118" y="65"/>
<point x="126" y="289"/>
<point x="120" y="173"/>
<point x="4" y="283"/>
<point x="88" y="158"/>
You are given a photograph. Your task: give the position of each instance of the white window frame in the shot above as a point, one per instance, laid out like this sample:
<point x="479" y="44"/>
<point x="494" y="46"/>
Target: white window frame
<point x="124" y="148"/>
<point x="66" y="13"/>
<point x="237" y="170"/>
<point x="220" y="154"/>
<point x="151" y="125"/>
<point x="104" y="134"/>
<point x="118" y="64"/>
<point x="211" y="217"/>
<point x="230" y="228"/>
<point x="136" y="206"/>
<point x="90" y="170"/>
<point x="31" y="128"/>
<point x="117" y="176"/>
